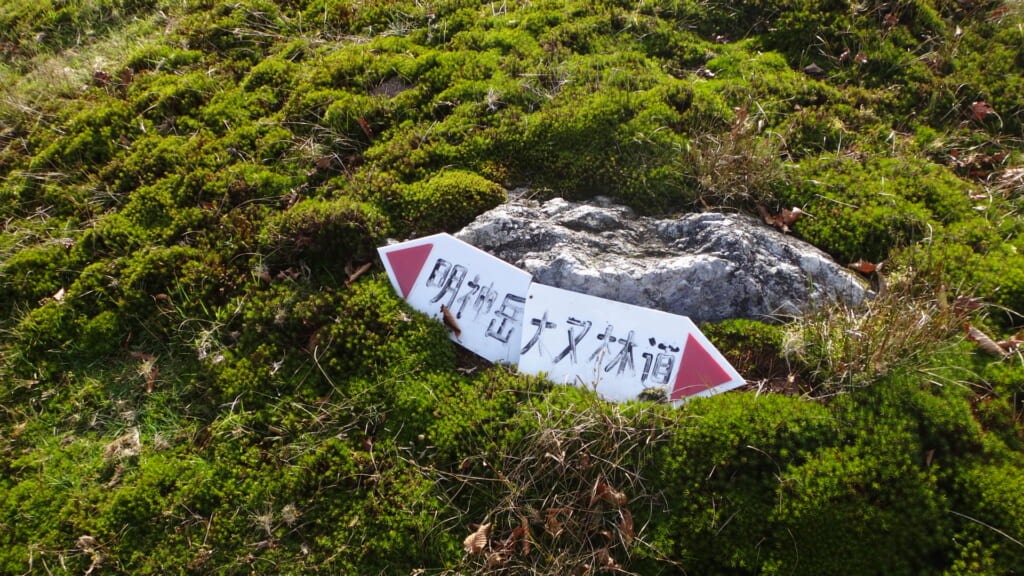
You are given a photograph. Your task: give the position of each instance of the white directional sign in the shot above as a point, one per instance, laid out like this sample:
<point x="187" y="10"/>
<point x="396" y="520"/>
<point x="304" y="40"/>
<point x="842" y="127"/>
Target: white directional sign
<point x="480" y="297"/>
<point x="495" y="310"/>
<point x="620" y="349"/>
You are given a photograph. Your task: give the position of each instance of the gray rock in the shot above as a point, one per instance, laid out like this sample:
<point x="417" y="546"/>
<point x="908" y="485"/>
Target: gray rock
<point x="708" y="266"/>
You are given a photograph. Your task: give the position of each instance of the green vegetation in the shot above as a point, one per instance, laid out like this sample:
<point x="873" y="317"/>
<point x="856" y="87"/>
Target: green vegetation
<point x="193" y="381"/>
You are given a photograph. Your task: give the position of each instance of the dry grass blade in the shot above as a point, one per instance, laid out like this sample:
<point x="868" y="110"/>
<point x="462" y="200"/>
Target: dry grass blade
<point x="124" y="446"/>
<point x="354" y="273"/>
<point x="626" y="526"/>
<point x="94" y="549"/>
<point x="148" y="369"/>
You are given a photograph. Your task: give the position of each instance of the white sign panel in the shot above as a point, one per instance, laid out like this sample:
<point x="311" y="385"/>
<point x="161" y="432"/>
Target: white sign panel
<point x="481" y="298"/>
<point x="620" y="349"/>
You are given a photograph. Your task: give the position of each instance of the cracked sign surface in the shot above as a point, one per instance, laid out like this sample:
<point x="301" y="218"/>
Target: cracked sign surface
<point x="620" y="349"/>
<point x="485" y="297"/>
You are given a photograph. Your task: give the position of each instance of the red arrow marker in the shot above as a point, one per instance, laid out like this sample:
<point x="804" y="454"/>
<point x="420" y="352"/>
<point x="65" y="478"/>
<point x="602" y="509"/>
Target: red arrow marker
<point x="407" y="263"/>
<point x="698" y="371"/>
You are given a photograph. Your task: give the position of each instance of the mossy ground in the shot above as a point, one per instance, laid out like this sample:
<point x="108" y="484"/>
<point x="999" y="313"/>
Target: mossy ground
<point x="191" y="380"/>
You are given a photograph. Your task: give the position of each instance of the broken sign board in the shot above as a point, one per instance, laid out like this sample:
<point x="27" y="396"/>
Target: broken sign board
<point x="620" y="349"/>
<point x="483" y="297"/>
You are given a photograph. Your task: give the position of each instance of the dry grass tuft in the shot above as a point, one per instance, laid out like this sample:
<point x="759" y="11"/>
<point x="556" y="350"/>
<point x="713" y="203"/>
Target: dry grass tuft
<point x="740" y="168"/>
<point x="904" y="327"/>
<point x="571" y="493"/>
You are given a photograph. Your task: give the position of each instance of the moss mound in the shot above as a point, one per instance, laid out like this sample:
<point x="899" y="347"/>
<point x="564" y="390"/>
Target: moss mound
<point x="200" y="374"/>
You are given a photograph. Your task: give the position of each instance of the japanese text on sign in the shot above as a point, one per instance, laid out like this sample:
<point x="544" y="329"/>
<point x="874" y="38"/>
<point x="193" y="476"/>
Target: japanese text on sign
<point x="484" y="296"/>
<point x="620" y="349"/>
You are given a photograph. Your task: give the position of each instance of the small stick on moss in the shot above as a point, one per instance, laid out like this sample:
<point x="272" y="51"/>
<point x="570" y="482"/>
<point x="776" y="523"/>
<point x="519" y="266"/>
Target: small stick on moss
<point x="449" y="321"/>
<point x="355" y="273"/>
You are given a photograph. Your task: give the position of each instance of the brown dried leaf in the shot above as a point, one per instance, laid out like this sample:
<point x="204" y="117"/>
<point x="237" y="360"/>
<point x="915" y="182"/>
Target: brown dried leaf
<point x="151" y="373"/>
<point x="741" y="118"/>
<point x="862" y="266"/>
<point x="449" y="321"/>
<point x="1012" y="343"/>
<point x="288" y="274"/>
<point x="602" y="491"/>
<point x="508" y="546"/>
<point x="365" y="128"/>
<point x="604" y="558"/>
<point x="968" y="303"/>
<point x="584" y="461"/>
<point x="477" y="541"/>
<point x="783" y="220"/>
<point x="525" y="525"/>
<point x="552" y="524"/>
<point x="788" y="217"/>
<point x="981" y="110"/>
<point x="987" y="344"/>
<point x="615" y="497"/>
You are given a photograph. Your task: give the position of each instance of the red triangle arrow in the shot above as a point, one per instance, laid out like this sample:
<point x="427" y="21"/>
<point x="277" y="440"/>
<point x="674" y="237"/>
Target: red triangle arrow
<point x="406" y="265"/>
<point x="698" y="371"/>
